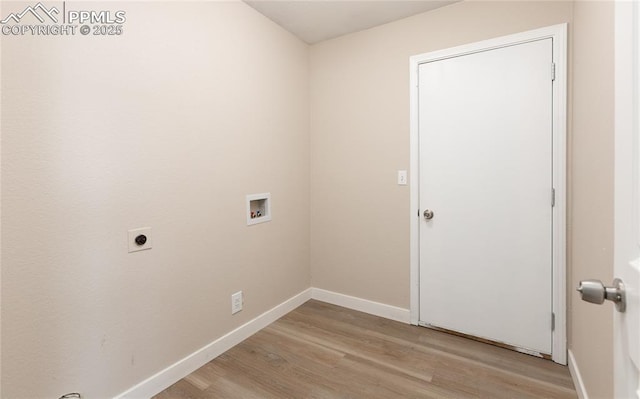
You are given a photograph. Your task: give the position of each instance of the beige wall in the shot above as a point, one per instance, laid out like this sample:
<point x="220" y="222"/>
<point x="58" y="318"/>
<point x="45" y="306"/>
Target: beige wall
<point x="591" y="334"/>
<point x="168" y="126"/>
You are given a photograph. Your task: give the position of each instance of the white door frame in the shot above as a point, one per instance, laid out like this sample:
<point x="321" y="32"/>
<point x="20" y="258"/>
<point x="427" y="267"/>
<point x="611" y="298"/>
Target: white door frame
<point x="559" y="35"/>
<point x="626" y="192"/>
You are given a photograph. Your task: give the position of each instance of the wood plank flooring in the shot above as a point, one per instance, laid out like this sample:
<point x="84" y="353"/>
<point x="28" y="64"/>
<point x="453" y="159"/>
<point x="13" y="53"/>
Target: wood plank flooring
<point x="325" y="351"/>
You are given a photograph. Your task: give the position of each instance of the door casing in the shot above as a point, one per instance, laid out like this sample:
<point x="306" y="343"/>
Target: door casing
<point x="626" y="339"/>
<point x="559" y="35"/>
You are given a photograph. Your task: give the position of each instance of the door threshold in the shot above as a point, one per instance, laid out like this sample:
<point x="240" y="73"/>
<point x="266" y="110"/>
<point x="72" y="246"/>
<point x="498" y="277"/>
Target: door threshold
<point x="487" y="341"/>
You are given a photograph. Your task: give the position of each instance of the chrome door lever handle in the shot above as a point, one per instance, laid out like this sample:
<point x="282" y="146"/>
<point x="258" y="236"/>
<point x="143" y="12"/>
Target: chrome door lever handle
<point x="594" y="291"/>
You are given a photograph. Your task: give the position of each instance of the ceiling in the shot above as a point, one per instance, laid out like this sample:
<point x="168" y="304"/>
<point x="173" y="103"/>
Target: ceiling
<point x="316" y="20"/>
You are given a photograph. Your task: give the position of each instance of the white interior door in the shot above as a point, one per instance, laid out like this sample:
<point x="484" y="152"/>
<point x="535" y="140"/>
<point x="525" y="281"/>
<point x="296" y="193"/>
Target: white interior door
<point x="627" y="200"/>
<point x="485" y="138"/>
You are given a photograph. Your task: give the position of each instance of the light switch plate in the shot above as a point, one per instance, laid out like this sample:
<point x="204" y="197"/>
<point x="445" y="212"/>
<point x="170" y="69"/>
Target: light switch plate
<point x="133" y="234"/>
<point x="402" y="177"/>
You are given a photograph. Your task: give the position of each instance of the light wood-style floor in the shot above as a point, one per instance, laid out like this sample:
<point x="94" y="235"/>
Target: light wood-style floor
<point x="325" y="351"/>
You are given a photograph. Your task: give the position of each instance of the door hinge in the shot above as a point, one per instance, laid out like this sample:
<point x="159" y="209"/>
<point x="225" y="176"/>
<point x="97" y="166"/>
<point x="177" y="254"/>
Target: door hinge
<point x="553" y="197"/>
<point x="553" y="321"/>
<point x="553" y="71"/>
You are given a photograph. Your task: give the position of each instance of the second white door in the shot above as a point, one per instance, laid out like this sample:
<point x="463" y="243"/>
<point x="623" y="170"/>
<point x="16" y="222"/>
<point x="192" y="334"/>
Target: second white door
<point x="485" y="122"/>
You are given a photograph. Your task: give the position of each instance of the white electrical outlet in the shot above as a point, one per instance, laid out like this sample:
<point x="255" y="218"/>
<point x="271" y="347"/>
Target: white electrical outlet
<point x="236" y="302"/>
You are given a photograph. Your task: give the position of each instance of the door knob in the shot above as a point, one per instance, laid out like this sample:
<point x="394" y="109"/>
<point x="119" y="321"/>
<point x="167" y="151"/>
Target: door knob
<point x="428" y="214"/>
<point x="595" y="292"/>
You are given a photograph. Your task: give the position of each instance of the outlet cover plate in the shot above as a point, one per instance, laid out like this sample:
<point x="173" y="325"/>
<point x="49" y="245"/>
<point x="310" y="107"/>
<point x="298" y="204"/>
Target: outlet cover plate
<point x="133" y="246"/>
<point x="236" y="302"/>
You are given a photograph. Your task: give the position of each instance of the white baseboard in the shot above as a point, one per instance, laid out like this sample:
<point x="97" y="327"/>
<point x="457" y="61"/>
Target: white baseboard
<point x="362" y="305"/>
<point x="167" y="377"/>
<point x="577" y="377"/>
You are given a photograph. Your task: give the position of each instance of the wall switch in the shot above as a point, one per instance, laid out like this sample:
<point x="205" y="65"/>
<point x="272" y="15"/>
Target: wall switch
<point x="140" y="239"/>
<point x="236" y="302"/>
<point x="402" y="177"/>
